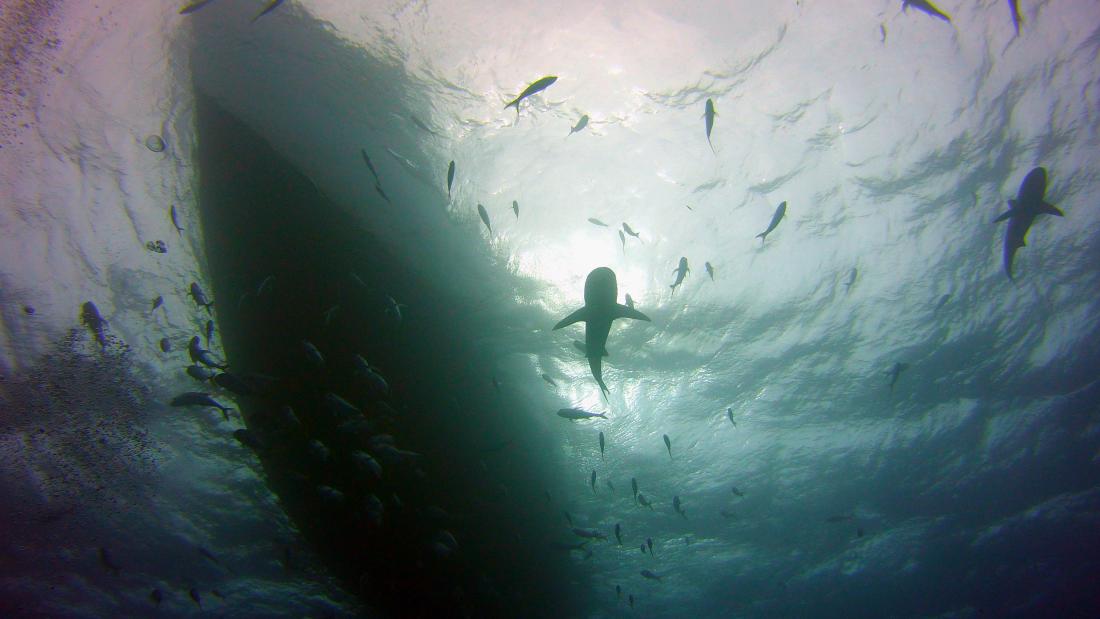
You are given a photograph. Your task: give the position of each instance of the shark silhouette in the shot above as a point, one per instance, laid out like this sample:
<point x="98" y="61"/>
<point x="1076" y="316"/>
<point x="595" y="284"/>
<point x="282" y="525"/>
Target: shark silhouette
<point x="1022" y="211"/>
<point x="601" y="307"/>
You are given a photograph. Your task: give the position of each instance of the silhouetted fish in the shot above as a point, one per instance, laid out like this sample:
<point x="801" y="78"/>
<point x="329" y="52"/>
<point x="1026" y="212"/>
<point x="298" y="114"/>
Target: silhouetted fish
<point x="926" y="7"/>
<point x="271" y="6"/>
<point x="780" y="211"/>
<point x="1022" y="211"/>
<point x="535" y="87"/>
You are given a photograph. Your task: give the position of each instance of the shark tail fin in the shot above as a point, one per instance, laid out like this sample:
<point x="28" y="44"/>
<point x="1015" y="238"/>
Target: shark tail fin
<point x="576" y="316"/>
<point x="1050" y="209"/>
<point x="625" y="311"/>
<point x="761" y="236"/>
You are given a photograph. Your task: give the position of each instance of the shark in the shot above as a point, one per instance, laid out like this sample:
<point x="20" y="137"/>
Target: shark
<point x="601" y="291"/>
<point x="1029" y="204"/>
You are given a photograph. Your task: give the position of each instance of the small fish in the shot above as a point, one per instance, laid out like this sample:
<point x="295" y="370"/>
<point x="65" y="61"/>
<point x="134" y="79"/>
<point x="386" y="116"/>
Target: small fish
<point x="727" y="514"/>
<point x="271" y="6"/>
<point x="330" y="313"/>
<point x="200" y="373"/>
<point x="157" y="302"/>
<point x="641" y="547"/>
<point x="942" y="301"/>
<point x="549" y="380"/>
<point x="574" y="414"/>
<point x="515" y="208"/>
<point x="634" y="488"/>
<point x="195" y="597"/>
<point x="926" y="7"/>
<point x="597" y="222"/>
<point x="331" y="495"/>
<point x="200" y="355"/>
<point x="366" y="465"/>
<point x="484" y="215"/>
<point x="234" y="384"/>
<point x="895" y="372"/>
<point x="200" y="298"/>
<point x="668" y="445"/>
<point x="569" y="547"/>
<point x="601" y="444"/>
<point x="780" y="211"/>
<point x="371" y="375"/>
<point x="644" y="502"/>
<point x="589" y="533"/>
<point x="393" y="308"/>
<point x="649" y="543"/>
<point x="90" y="317"/>
<point x="678" y="506"/>
<point x="197" y="398"/>
<point x="592" y="481"/>
<point x="165" y="345"/>
<point x="318" y="451"/>
<point x="709" y="114"/>
<point x="312" y="354"/>
<point x="630" y="231"/>
<point x="729" y="415"/>
<point x="581" y="124"/>
<point x="209" y="332"/>
<point x="450" y="177"/>
<point x="851" y="279"/>
<point x="681" y="272"/>
<point x="382" y="192"/>
<point x="1014" y="6"/>
<point x="630" y="598"/>
<point x="737" y="492"/>
<point x="610" y="486"/>
<point x="341" y="408"/>
<point x="619" y="533"/>
<point x="710" y="270"/>
<point x="535" y="87"/>
<point x="839" y="518"/>
<point x="650" y="575"/>
<point x="156" y="597"/>
<point x="265" y="284"/>
<point x="618" y="592"/>
<point x="206" y="554"/>
<point x="105" y="560"/>
<point x="370" y="166"/>
<point x="423" y="126"/>
<point x="194" y="6"/>
<point x="622" y="239"/>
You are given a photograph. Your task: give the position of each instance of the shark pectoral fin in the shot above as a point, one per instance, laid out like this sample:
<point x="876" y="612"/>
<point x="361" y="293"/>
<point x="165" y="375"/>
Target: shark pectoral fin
<point x="624" y="311"/>
<point x="1004" y="216"/>
<point x="576" y="316"/>
<point x="1050" y="209"/>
